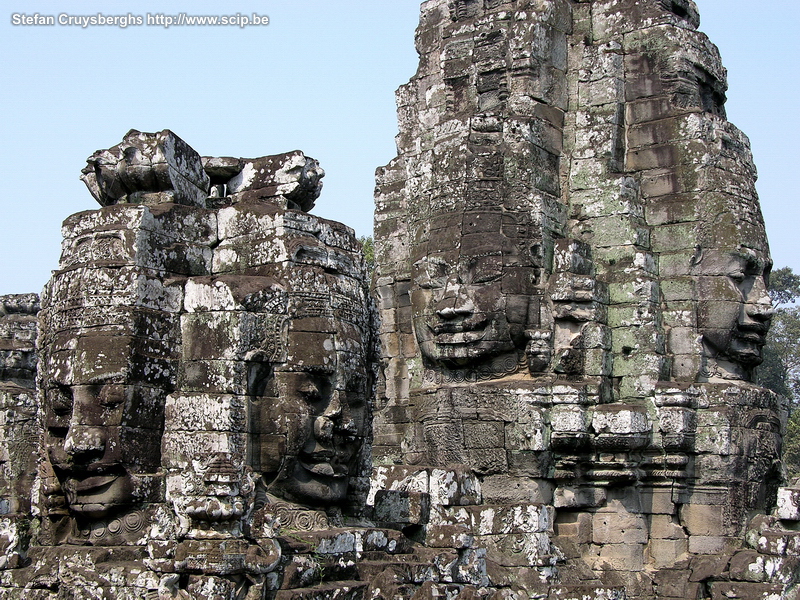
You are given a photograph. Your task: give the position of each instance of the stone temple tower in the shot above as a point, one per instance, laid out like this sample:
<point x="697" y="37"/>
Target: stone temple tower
<point x="571" y="275"/>
<point x="547" y="392"/>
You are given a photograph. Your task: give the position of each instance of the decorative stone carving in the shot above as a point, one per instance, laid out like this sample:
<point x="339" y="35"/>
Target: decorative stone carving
<point x="110" y="342"/>
<point x="471" y="303"/>
<point x="204" y="358"/>
<point x="19" y="428"/>
<point x="571" y="270"/>
<point x="576" y="157"/>
<point x="735" y="310"/>
<point x="147" y="168"/>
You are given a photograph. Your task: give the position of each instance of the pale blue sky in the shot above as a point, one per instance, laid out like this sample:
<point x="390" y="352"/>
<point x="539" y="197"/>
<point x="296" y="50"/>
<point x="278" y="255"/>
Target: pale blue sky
<point x="320" y="78"/>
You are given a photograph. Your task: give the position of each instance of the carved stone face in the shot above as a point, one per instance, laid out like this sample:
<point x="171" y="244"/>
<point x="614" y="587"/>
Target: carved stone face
<point x="468" y="308"/>
<point x="317" y="411"/>
<point x="735" y="309"/>
<point x="102" y="427"/>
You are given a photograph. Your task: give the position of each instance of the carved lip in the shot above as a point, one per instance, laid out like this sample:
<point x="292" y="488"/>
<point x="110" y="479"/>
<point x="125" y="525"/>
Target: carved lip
<point x="459" y="332"/>
<point x="94" y="485"/>
<point x="324" y="464"/>
<point x="458" y="326"/>
<point x="464" y="337"/>
<point x="754" y="334"/>
<point x="753" y="338"/>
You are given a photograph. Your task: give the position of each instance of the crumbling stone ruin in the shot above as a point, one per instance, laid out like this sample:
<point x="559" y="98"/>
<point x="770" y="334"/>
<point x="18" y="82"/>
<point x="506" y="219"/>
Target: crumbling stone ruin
<point x="571" y="278"/>
<point x="550" y="395"/>
<point x="19" y="430"/>
<point x="206" y="353"/>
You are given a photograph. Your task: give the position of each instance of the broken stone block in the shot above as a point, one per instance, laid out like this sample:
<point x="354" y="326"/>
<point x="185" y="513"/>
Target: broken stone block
<point x="570" y="497"/>
<point x="147" y="168"/>
<point x="788" y="506"/>
<point x="292" y="176"/>
<point x="617" y="527"/>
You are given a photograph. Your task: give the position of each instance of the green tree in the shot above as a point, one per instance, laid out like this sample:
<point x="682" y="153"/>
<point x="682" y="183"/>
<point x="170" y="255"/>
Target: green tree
<point x="791" y="445"/>
<point x="780" y="370"/>
<point x="784" y="286"/>
<point x="368" y="246"/>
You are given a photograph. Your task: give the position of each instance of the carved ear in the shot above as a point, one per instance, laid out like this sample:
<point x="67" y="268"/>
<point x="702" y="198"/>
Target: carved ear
<point x="697" y="258"/>
<point x="260" y="374"/>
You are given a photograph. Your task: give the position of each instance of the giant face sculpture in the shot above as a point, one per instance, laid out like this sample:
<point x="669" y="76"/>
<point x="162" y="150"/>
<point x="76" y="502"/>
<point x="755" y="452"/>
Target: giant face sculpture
<point x="735" y="313"/>
<point x="314" y="408"/>
<point x="472" y="304"/>
<point x="103" y="424"/>
<point x="109" y="354"/>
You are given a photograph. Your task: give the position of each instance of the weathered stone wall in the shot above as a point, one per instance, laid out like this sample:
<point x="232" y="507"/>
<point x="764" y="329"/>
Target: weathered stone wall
<point x="19" y="428"/>
<point x="571" y="277"/>
<point x="205" y="381"/>
<point x="571" y="281"/>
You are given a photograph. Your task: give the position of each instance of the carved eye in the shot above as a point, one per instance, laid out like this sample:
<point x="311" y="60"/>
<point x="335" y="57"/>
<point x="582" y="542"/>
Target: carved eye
<point x="738" y="277"/>
<point x="61" y="400"/>
<point x="111" y="396"/>
<point x="486" y="269"/>
<point x="431" y="273"/>
<point x="310" y="392"/>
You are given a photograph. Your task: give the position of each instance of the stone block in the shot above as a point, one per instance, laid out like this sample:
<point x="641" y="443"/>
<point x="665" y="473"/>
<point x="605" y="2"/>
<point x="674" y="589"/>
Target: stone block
<point x="484" y="434"/>
<point x="488" y="461"/>
<point x="666" y="527"/>
<point x="517" y="550"/>
<point x="533" y="435"/>
<point x="446" y="487"/>
<point x="617" y="527"/>
<point x="205" y="412"/>
<point x="712" y="544"/>
<point x="620" y="557"/>
<point x="676" y="420"/>
<point x="779" y="543"/>
<point x="448" y="536"/>
<point x="454" y="487"/>
<point x="520" y="518"/>
<point x="471" y="567"/>
<point x="788" y="506"/>
<point x="576" y="526"/>
<point x="406" y="508"/>
<point x="658" y="500"/>
<point x="675" y="237"/>
<point x="504" y="489"/>
<point x="534" y="465"/>
<point x="565" y="419"/>
<point x="703" y="519"/>
<point x="582" y="592"/>
<point x="729" y="590"/>
<point x="674" y="583"/>
<point x="747" y="565"/>
<point x="665" y="553"/>
<point x="782" y="569"/>
<point x="180" y="449"/>
<point x="620" y="419"/>
<point x="147" y="164"/>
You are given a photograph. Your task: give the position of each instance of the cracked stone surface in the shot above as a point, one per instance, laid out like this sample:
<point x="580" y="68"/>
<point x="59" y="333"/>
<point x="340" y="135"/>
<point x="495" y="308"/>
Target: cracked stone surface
<point x="546" y="391"/>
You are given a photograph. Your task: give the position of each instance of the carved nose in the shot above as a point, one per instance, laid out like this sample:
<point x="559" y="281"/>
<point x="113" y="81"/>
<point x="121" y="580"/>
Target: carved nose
<point x="455" y="304"/>
<point x="334" y="407"/>
<point x="325" y="423"/>
<point x="82" y="440"/>
<point x="760" y="311"/>
<point x="451" y="312"/>
<point x="759" y="304"/>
